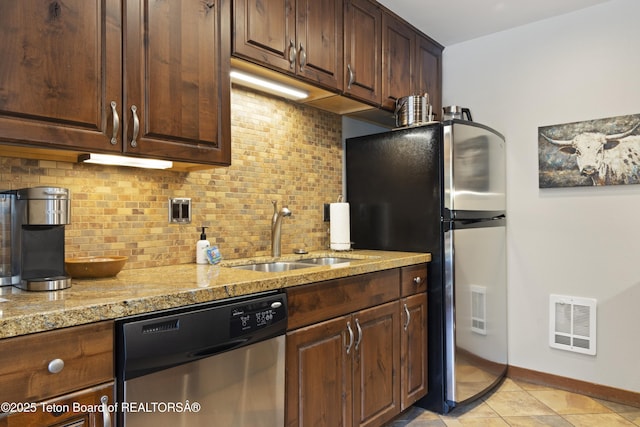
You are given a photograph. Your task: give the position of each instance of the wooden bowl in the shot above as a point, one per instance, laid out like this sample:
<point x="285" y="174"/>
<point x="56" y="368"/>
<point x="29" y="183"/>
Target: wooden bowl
<point x="93" y="267"/>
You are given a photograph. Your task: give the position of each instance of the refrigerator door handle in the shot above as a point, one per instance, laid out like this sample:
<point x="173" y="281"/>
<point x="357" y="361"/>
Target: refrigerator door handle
<point x="460" y="215"/>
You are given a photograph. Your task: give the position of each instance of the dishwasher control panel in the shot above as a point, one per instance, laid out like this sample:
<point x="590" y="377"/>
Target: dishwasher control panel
<point x="254" y="315"/>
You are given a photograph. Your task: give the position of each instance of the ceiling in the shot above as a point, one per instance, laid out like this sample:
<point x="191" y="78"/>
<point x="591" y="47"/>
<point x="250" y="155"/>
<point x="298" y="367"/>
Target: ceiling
<point x="453" y="21"/>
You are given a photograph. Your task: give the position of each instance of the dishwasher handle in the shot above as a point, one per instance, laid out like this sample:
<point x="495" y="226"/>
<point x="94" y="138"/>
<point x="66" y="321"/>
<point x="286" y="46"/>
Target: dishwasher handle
<point x="220" y="348"/>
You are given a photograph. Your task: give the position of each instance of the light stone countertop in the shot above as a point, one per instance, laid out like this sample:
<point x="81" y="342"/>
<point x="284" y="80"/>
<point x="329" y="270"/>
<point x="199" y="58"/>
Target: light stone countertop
<point x="145" y="290"/>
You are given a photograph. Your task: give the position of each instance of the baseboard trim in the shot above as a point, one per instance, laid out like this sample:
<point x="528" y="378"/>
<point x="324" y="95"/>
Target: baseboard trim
<point x="598" y="391"/>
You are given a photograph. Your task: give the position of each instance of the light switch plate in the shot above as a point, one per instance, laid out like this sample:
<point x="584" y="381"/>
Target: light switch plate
<point x="180" y="210"/>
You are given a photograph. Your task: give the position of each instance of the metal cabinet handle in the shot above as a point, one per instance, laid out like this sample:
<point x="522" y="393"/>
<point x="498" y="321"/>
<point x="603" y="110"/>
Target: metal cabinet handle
<point x="106" y="415"/>
<point x="136" y="126"/>
<point x="55" y="366"/>
<point x="350" y="337"/>
<point x="303" y="57"/>
<point x="116" y="123"/>
<point x="359" y="334"/>
<point x="406" y="324"/>
<point x="352" y="76"/>
<point x="417" y="280"/>
<point x="292" y="54"/>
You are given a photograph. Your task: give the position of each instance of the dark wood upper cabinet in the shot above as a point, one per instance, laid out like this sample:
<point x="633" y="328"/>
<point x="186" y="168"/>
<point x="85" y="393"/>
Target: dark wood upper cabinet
<point x="302" y="38"/>
<point x="61" y="68"/>
<point x="411" y="64"/>
<point x="427" y="74"/>
<point x="363" y="50"/>
<point x="177" y="78"/>
<point x="398" y="44"/>
<point x="135" y="76"/>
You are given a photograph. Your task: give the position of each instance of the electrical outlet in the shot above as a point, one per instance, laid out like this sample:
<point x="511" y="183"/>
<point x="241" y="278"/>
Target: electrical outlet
<point x="180" y="210"/>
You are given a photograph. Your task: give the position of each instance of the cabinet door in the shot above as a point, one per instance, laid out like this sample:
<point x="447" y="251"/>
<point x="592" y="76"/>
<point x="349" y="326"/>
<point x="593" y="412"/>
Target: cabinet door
<point x="60" y="71"/>
<point x="72" y="410"/>
<point x="177" y="87"/>
<point x="428" y="72"/>
<point x="265" y="32"/>
<point x="414" y="349"/>
<point x="320" y="44"/>
<point x="376" y="388"/>
<point x="398" y="45"/>
<point x="318" y="378"/>
<point x="362" y="51"/>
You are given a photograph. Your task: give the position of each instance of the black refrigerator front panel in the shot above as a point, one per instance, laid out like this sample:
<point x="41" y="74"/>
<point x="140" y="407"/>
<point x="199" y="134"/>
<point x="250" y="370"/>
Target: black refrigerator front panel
<point x="393" y="190"/>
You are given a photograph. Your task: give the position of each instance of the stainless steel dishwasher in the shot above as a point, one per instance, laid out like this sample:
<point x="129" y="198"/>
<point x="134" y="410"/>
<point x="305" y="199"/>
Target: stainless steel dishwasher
<point x="214" y="364"/>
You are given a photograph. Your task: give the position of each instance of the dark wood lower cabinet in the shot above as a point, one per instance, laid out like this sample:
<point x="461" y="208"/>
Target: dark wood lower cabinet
<point x="319" y="375"/>
<point x="413" y="363"/>
<point x="376" y="365"/>
<point x="356" y="368"/>
<point x="345" y="371"/>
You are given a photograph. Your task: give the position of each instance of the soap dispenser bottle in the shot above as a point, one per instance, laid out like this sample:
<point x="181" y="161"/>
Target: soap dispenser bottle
<point x="201" y="246"/>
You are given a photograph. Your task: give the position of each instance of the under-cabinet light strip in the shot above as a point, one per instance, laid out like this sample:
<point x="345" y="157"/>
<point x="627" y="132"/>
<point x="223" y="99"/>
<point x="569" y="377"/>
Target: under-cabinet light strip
<point x="266" y="85"/>
<point x="113" y="160"/>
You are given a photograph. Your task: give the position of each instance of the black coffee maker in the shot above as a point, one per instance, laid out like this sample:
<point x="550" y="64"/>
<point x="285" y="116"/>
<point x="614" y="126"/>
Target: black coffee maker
<point x="38" y="216"/>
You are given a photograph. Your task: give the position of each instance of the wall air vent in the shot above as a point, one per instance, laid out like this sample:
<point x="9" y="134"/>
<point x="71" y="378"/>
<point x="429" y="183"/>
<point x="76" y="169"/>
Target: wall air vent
<point x="572" y="324"/>
<point x="479" y="309"/>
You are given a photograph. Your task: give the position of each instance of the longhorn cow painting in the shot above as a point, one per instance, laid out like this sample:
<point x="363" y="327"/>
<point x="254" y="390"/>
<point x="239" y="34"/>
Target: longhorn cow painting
<point x="590" y="153"/>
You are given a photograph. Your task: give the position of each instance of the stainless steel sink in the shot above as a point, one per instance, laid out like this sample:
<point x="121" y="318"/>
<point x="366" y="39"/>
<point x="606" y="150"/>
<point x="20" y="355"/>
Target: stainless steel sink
<point x="273" y="267"/>
<point x="326" y="260"/>
<point x="279" y="266"/>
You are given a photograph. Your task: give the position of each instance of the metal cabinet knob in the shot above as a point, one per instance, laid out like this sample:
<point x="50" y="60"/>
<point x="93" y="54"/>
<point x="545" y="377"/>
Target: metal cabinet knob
<point x="55" y="366"/>
<point x="417" y="280"/>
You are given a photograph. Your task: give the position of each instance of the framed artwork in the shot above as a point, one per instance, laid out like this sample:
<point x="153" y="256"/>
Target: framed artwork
<point x="590" y="153"/>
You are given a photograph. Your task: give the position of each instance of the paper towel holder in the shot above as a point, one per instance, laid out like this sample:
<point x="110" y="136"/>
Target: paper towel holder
<point x="339" y="226"/>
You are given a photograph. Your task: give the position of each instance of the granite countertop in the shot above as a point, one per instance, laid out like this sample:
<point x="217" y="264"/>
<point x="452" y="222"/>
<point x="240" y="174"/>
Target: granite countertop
<point x="145" y="290"/>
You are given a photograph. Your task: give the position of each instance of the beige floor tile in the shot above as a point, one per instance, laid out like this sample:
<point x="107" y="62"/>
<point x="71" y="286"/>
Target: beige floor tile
<point x="426" y="415"/>
<point x="564" y="402"/>
<point x="475" y="422"/>
<point x="517" y="403"/>
<point x="598" y="420"/>
<point x="538" y="421"/>
<point x="618" y="407"/>
<point x="477" y="409"/>
<point x="634" y="417"/>
<point x="531" y="386"/>
<point x="509" y="385"/>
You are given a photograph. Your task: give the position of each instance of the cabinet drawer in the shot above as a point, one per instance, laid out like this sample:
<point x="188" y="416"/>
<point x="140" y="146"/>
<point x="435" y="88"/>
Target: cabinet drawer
<point x="320" y="301"/>
<point x="25" y="362"/>
<point x="413" y="279"/>
<point x="82" y="408"/>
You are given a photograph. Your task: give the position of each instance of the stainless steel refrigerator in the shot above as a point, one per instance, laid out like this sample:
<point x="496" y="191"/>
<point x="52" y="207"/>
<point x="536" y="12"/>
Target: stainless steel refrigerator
<point x="440" y="188"/>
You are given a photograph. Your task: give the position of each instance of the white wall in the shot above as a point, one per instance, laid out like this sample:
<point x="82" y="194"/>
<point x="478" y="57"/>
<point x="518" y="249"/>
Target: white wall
<point x="574" y="241"/>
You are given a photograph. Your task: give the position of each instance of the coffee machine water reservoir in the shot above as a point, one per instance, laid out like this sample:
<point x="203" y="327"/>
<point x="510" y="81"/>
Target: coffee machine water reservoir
<point x="7" y="205"/>
<point x="33" y="253"/>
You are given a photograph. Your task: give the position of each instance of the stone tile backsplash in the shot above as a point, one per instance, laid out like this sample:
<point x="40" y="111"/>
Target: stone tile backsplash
<point x="280" y="151"/>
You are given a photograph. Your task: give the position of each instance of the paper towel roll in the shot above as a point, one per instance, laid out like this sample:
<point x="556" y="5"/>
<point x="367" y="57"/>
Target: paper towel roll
<point x="339" y="226"/>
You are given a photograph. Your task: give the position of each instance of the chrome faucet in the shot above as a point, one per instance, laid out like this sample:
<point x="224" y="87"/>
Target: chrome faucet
<point x="276" y="226"/>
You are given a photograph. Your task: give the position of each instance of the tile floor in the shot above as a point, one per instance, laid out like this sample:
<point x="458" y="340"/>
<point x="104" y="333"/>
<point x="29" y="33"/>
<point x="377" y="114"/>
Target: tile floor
<point x="521" y="404"/>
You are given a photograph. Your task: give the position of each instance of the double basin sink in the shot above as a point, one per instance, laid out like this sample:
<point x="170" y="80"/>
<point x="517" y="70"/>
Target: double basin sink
<point x="280" y="266"/>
